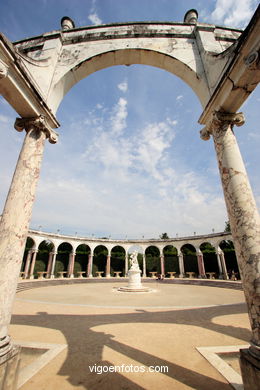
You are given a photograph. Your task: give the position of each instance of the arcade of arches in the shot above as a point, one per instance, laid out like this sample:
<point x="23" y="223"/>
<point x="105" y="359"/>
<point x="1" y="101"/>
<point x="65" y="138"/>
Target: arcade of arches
<point x="220" y="64"/>
<point x="49" y="256"/>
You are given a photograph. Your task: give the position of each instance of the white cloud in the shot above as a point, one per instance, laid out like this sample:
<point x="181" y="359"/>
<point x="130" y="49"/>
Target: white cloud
<point x="151" y="146"/>
<point x="118" y="117"/>
<point x="123" y="86"/>
<point x="93" y="16"/>
<point x="4" y="118"/>
<point x="233" y="13"/>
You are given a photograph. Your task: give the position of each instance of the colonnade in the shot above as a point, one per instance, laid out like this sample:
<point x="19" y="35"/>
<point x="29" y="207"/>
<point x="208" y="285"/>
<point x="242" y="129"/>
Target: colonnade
<point x="29" y="264"/>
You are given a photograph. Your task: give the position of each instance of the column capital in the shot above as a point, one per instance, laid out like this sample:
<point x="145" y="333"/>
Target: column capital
<point x="223" y="119"/>
<point x="39" y="123"/>
<point x="3" y="70"/>
<point x="219" y="250"/>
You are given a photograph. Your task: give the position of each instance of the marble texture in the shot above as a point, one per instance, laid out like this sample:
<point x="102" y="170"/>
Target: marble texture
<point x="242" y="211"/>
<point x="17" y="211"/>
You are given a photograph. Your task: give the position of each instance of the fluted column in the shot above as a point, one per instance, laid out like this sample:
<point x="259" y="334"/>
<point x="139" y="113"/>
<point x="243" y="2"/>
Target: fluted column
<point x="108" y="266"/>
<point x="242" y="213"/>
<point x="27" y="264"/>
<point x="144" y="265"/>
<point x="16" y="215"/>
<point x="201" y="265"/>
<point x="34" y="254"/>
<point x="181" y="264"/>
<point x="90" y="266"/>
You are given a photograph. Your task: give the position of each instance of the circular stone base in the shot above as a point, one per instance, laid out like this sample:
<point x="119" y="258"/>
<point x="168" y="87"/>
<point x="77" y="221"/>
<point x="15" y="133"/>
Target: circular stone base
<point x="129" y="289"/>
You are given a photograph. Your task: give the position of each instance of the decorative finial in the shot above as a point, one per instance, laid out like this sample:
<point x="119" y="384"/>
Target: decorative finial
<point x="191" y="16"/>
<point x="67" y="23"/>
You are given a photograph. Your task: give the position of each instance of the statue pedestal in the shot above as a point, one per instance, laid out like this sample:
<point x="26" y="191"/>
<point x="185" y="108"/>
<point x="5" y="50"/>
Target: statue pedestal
<point x="134" y="282"/>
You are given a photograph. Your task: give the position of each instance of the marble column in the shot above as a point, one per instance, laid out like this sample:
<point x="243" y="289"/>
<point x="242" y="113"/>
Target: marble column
<point x="52" y="276"/>
<point x="16" y="217"/>
<point x="34" y="254"/>
<point x="108" y="266"/>
<point x="49" y="265"/>
<point x="201" y="266"/>
<point x="144" y="266"/>
<point x="181" y="265"/>
<point x="223" y="263"/>
<point x="90" y="266"/>
<point x="245" y="225"/>
<point x="220" y="269"/>
<point x="126" y="264"/>
<point x="27" y="264"/>
<point x="70" y="270"/>
<point x="162" y="264"/>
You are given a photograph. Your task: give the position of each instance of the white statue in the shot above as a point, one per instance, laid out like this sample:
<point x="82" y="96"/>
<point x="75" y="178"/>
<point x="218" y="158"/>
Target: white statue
<point x="133" y="260"/>
<point x="134" y="277"/>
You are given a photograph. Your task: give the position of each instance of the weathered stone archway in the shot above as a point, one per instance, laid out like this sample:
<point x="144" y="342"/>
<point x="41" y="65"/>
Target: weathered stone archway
<point x="221" y="65"/>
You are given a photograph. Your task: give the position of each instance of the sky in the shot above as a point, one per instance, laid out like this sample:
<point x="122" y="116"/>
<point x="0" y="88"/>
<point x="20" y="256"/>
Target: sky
<point x="129" y="162"/>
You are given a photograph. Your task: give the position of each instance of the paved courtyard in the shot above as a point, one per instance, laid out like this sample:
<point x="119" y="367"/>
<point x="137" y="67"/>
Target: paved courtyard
<point x="93" y="326"/>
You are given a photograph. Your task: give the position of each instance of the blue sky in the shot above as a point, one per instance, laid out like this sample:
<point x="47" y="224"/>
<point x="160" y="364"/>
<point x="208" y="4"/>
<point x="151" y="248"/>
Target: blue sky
<point x="129" y="162"/>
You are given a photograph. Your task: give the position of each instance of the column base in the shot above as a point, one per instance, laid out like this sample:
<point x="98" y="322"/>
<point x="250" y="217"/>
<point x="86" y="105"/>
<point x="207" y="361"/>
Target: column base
<point x="9" y="368"/>
<point x="250" y="370"/>
<point x="90" y="276"/>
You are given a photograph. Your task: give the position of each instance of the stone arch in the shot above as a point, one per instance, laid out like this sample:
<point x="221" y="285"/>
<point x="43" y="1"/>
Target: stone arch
<point x="190" y="258"/>
<point x="63" y="258"/>
<point x="152" y="255"/>
<point x="209" y="257"/>
<point x="82" y="252"/>
<point x="118" y="256"/>
<point x="30" y="242"/>
<point x="171" y="262"/>
<point x="230" y="258"/>
<point x="29" y="245"/>
<point x="230" y="86"/>
<point x="100" y="255"/>
<point x="125" y="56"/>
<point x="45" y="247"/>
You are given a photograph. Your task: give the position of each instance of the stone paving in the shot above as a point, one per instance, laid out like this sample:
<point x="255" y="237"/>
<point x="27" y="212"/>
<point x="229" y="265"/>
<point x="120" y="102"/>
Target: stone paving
<point x="101" y="327"/>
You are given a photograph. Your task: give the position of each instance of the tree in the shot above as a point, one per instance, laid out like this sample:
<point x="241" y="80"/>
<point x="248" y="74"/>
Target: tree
<point x="164" y="236"/>
<point x="227" y="227"/>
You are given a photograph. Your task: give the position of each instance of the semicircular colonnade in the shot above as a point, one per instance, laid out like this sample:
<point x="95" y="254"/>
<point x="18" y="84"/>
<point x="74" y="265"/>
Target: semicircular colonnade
<point x="128" y="246"/>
